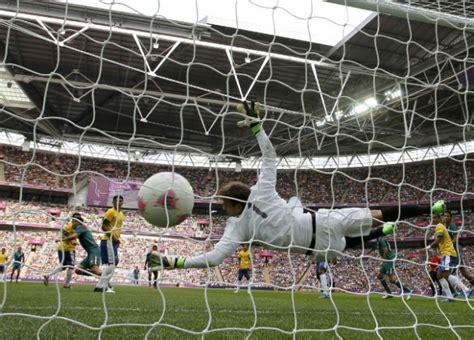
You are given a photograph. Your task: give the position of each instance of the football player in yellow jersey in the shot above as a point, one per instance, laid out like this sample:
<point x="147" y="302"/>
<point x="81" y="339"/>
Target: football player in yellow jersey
<point x="66" y="254"/>
<point x="112" y="226"/>
<point x="3" y="262"/>
<point x="244" y="265"/>
<point x="448" y="254"/>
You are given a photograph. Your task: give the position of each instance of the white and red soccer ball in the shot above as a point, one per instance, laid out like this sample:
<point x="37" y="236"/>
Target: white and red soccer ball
<point x="166" y="199"/>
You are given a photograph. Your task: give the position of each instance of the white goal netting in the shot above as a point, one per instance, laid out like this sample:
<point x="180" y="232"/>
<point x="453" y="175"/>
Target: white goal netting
<point x="367" y="103"/>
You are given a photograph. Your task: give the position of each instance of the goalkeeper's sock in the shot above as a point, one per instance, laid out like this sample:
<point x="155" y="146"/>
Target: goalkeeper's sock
<point x="446" y="290"/>
<point x="105" y="277"/>
<point x="385" y="286"/>
<point x="108" y="278"/>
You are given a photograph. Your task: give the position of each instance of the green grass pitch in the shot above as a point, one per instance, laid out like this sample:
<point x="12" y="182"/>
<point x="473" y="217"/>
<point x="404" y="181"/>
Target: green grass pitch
<point x="180" y="313"/>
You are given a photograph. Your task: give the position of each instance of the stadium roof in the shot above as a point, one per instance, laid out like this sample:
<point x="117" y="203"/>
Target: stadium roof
<point x="151" y="83"/>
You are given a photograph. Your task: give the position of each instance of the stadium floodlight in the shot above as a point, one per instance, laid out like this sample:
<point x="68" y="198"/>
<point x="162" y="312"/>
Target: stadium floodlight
<point x="393" y="94"/>
<point x="336" y="116"/>
<point x="371" y="102"/>
<point x="320" y="122"/>
<point x="364" y="107"/>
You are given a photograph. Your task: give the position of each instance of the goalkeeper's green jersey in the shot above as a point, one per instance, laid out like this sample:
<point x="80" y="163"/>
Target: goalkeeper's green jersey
<point x="153" y="260"/>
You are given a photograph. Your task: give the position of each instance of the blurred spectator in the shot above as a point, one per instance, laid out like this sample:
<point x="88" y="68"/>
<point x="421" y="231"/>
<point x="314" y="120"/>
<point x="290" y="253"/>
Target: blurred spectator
<point x="446" y="179"/>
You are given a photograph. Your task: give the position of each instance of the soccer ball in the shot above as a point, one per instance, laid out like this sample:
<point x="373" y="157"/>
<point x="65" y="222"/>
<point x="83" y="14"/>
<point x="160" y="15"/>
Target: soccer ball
<point x="166" y="199"/>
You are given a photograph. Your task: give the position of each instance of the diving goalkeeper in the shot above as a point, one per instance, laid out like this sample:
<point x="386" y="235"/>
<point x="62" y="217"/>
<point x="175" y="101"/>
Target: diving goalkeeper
<point x="259" y="214"/>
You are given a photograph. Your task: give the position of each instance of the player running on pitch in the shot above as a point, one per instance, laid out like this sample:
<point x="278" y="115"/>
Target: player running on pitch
<point x="153" y="265"/>
<point x="18" y="262"/>
<point x="388" y="269"/>
<point x="244" y="266"/>
<point x="66" y="254"/>
<point x="448" y="256"/>
<point x="3" y="263"/>
<point x="110" y="243"/>
<point x="259" y="214"/>
<point x="92" y="262"/>
<point x="321" y="268"/>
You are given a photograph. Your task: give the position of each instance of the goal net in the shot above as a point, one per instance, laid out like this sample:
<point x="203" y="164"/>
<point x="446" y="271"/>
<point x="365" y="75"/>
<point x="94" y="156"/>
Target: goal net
<point x="367" y="104"/>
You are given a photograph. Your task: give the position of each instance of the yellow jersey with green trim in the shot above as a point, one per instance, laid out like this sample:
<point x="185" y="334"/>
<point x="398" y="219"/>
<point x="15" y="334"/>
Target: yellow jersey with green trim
<point x="69" y="245"/>
<point x="3" y="258"/>
<point x="115" y="219"/>
<point x="244" y="259"/>
<point x="446" y="247"/>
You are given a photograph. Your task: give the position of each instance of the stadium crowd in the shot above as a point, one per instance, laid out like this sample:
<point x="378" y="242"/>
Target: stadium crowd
<point x="447" y="179"/>
<point x="422" y="182"/>
<point x="55" y="214"/>
<point x="351" y="272"/>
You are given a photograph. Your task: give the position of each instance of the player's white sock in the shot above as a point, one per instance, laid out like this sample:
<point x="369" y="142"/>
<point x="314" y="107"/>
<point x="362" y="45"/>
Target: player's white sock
<point x="100" y="283"/>
<point x="110" y="273"/>
<point x="446" y="289"/>
<point x="237" y="288"/>
<point x="457" y="284"/>
<point x="105" y="276"/>
<point x="324" y="283"/>
<point x="68" y="276"/>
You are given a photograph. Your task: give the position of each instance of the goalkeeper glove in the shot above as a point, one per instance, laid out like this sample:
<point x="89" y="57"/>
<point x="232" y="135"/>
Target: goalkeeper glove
<point x="172" y="262"/>
<point x="252" y="116"/>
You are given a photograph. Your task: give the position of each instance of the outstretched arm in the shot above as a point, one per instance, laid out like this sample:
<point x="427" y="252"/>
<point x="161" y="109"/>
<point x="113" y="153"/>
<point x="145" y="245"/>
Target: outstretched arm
<point x="268" y="171"/>
<point x="223" y="249"/>
<point x="215" y="257"/>
<point x="226" y="246"/>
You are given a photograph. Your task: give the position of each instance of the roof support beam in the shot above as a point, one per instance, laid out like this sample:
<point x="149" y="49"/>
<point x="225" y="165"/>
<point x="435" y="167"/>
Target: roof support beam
<point x="195" y="42"/>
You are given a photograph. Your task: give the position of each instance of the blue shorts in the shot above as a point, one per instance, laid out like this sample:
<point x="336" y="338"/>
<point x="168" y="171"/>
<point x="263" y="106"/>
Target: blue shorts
<point x="16" y="266"/>
<point x="446" y="263"/>
<point x="244" y="272"/>
<point x="68" y="259"/>
<point x="321" y="266"/>
<point x="109" y="252"/>
<point x="2" y="268"/>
